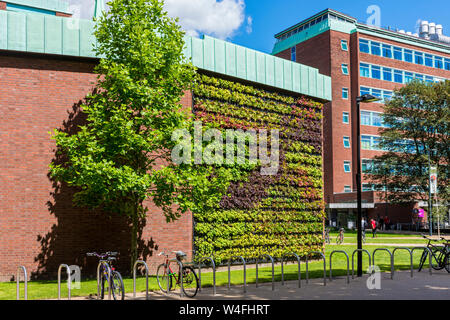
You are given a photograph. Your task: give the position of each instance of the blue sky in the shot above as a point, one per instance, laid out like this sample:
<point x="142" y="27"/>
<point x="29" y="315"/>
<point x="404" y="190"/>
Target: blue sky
<point x="253" y="23"/>
<point x="270" y="17"/>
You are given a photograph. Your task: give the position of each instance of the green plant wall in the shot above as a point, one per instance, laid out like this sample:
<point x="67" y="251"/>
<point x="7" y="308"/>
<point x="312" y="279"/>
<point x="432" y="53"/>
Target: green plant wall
<point x="264" y="214"/>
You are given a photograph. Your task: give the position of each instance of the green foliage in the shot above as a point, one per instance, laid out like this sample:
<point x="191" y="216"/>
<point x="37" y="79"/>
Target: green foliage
<point x="271" y="215"/>
<point x="419" y="113"/>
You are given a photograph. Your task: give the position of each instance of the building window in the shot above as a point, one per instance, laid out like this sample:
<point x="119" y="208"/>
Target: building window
<point x="364" y="46"/>
<point x="344" y="45"/>
<point x="447" y="64"/>
<point x="344" y="93"/>
<point x="398" y="76"/>
<point x="364" y="69"/>
<point x="367" y="187"/>
<point x="345" y="117"/>
<point x="408" y="55"/>
<point x="438" y="63"/>
<point x="365" y="118"/>
<point x="428" y="60"/>
<point x="294" y="54"/>
<point x="347" y="142"/>
<point x="387" y="51"/>
<point x="347" y="166"/>
<point x="376" y="72"/>
<point x="375" y="48"/>
<point x="409" y="77"/>
<point x="367" y="166"/>
<point x="398" y="53"/>
<point x="347" y="189"/>
<point x="344" y="68"/>
<point x="418" y="58"/>
<point x="387" y="74"/>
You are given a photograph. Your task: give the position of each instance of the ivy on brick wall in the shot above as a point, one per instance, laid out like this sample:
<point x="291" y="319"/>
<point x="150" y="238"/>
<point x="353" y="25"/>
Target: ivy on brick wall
<point x="264" y="214"/>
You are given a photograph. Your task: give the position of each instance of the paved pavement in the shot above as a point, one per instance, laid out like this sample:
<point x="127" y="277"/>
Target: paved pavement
<point x="421" y="287"/>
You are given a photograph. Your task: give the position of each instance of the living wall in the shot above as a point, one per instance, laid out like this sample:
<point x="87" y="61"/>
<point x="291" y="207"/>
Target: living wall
<point x="264" y="214"/>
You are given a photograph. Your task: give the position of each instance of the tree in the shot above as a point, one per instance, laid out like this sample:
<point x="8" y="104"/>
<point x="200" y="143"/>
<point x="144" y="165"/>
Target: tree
<point x="415" y="137"/>
<point x="122" y="155"/>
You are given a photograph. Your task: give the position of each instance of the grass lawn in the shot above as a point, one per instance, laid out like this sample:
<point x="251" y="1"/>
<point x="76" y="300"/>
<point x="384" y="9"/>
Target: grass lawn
<point x="48" y="289"/>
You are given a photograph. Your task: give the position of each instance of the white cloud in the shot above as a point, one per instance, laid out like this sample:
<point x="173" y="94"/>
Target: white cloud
<point x="220" y="19"/>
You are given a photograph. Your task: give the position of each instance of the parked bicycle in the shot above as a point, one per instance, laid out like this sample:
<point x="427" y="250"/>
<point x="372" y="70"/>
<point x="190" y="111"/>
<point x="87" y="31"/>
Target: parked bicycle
<point x="440" y="254"/>
<point x="340" y="236"/>
<point x="326" y="236"/>
<point x="114" y="280"/>
<point x="168" y="279"/>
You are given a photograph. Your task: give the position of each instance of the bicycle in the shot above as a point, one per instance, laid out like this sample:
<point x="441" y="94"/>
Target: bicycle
<point x="340" y="236"/>
<point x="326" y="236"/>
<point x="440" y="255"/>
<point x="166" y="276"/>
<point x="114" y="280"/>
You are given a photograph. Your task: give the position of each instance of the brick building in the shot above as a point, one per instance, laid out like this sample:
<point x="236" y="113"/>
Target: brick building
<point x="46" y="70"/>
<point x="361" y="59"/>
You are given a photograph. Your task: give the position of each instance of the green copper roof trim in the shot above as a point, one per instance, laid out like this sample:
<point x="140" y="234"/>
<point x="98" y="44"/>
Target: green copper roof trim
<point x="40" y="33"/>
<point x="236" y="61"/>
<point x="50" y="5"/>
<point x="302" y="36"/>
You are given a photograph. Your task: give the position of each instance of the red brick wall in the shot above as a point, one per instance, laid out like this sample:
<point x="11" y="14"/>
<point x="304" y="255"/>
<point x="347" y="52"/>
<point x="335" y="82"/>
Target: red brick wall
<point x="40" y="228"/>
<point x="2" y="5"/>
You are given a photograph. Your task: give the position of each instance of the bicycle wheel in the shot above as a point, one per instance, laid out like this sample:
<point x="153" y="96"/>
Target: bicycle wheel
<point x="161" y="277"/>
<point x="103" y="280"/>
<point x="190" y="282"/>
<point x="117" y="288"/>
<point x="437" y="259"/>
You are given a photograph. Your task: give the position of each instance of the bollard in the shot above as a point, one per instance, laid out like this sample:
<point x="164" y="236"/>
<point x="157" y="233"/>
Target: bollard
<point x="138" y="262"/>
<point x="299" y="271"/>
<point x="200" y="273"/>
<point x="392" y="261"/>
<point x="348" y="264"/>
<point x="245" y="272"/>
<point x="353" y="260"/>
<point x="25" y="282"/>
<point x="324" y="267"/>
<point x="410" y="254"/>
<point x="69" y="282"/>
<point x="273" y="270"/>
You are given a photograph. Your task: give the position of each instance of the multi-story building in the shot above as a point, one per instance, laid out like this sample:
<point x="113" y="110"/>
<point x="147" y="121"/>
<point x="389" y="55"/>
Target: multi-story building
<point x="361" y="59"/>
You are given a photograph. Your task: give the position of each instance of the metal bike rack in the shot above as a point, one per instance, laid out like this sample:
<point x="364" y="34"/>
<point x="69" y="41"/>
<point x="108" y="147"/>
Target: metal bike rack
<point x="245" y="272"/>
<point x="200" y="273"/>
<point x="68" y="280"/>
<point x="392" y="261"/>
<point x="411" y="257"/>
<point x="181" y="276"/>
<point x="138" y="262"/>
<point x="273" y="270"/>
<point x="353" y="260"/>
<point x="324" y="267"/>
<point x="429" y="256"/>
<point x="348" y="264"/>
<point x="25" y="282"/>
<point x="108" y="268"/>
<point x="282" y="269"/>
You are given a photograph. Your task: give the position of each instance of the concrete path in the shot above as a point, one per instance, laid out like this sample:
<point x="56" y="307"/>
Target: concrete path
<point x="421" y="287"/>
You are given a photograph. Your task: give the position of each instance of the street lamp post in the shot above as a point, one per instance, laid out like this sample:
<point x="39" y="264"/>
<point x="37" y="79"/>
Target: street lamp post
<point x="367" y="98"/>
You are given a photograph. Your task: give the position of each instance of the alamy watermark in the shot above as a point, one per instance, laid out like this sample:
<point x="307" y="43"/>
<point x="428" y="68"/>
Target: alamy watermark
<point x="229" y="147"/>
<point x="374" y="280"/>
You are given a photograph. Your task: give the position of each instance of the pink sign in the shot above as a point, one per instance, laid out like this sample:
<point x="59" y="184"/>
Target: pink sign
<point x="421" y="213"/>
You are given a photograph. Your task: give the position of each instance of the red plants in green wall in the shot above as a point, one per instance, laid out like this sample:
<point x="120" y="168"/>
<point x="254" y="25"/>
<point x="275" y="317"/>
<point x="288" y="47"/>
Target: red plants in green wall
<point x="264" y="214"/>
